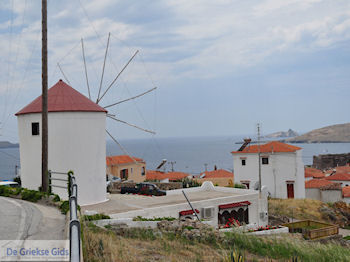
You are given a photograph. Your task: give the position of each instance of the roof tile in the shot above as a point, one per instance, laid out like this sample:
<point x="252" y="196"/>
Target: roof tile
<point x="121" y="159"/>
<point x="61" y="98"/>
<point x="317" y="183"/>
<point x="271" y="147"/>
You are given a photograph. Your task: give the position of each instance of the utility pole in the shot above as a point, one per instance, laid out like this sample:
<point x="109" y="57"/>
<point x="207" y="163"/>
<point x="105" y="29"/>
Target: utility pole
<point x="259" y="159"/>
<point x="44" y="113"/>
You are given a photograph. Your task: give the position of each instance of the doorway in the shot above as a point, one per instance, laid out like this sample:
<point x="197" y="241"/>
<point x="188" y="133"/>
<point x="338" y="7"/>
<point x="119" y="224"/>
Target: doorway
<point x="290" y="190"/>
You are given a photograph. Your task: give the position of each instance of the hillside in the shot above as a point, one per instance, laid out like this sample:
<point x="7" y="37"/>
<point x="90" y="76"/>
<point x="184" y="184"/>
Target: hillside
<point x="329" y="134"/>
<point x="289" y="133"/>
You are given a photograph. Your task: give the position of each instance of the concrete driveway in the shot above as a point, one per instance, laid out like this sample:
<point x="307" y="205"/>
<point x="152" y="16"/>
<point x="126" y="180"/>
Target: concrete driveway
<point x="22" y="220"/>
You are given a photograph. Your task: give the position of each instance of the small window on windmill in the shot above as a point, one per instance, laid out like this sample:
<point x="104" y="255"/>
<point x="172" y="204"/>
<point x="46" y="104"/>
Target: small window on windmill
<point x="243" y="162"/>
<point x="35" y="129"/>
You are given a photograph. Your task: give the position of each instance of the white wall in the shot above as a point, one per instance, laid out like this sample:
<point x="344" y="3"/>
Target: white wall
<point x="282" y="167"/>
<point x="252" y="196"/>
<point x="77" y="141"/>
<point x="331" y="196"/>
<point x="313" y="193"/>
<point x="346" y="200"/>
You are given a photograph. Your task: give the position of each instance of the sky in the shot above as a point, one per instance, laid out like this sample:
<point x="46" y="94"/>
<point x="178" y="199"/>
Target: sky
<point x="220" y="67"/>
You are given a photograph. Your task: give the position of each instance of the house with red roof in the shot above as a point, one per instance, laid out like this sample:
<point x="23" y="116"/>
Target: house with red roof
<point x="323" y="190"/>
<point x="281" y="165"/>
<point x="76" y="141"/>
<point x="126" y="167"/>
<point x="220" y="177"/>
<point x="340" y="177"/>
<point x="311" y="173"/>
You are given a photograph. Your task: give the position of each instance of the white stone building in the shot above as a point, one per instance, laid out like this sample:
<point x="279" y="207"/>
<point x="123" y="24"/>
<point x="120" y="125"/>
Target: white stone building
<point x="282" y="168"/>
<point x="214" y="204"/>
<point x="76" y="141"/>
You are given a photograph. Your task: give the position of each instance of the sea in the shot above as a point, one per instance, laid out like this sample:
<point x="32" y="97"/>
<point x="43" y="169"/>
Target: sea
<point x="187" y="154"/>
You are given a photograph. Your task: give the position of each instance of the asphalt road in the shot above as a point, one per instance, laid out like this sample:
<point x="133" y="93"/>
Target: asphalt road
<point x="22" y="220"/>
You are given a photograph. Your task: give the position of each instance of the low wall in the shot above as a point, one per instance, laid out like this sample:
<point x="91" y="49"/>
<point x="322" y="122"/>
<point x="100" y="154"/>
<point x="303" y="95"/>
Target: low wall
<point x="312" y="229"/>
<point x="220" y="181"/>
<point x="114" y="187"/>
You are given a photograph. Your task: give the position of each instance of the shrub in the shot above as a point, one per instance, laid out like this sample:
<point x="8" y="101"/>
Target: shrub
<point x="96" y="217"/>
<point x="56" y="198"/>
<point x="5" y="191"/>
<point x="64" y="207"/>
<point x="31" y="195"/>
<point x="140" y="218"/>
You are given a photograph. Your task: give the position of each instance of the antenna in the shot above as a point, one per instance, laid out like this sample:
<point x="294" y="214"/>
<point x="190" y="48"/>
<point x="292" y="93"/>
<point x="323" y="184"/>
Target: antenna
<point x="161" y="164"/>
<point x="172" y="165"/>
<point x="259" y="160"/>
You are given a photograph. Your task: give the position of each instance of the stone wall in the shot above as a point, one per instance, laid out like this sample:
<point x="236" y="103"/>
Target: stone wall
<point x="114" y="188"/>
<point x="330" y="160"/>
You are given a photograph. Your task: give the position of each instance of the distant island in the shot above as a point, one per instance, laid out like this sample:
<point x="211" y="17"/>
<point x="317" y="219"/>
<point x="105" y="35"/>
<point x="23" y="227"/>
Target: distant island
<point x="289" y="133"/>
<point x="7" y="144"/>
<point x="330" y="134"/>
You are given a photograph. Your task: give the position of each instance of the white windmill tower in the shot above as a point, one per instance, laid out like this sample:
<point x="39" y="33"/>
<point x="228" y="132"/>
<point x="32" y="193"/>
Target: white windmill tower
<point x="77" y="137"/>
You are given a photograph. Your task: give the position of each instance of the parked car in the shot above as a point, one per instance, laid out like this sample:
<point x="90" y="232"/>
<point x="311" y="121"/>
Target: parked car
<point x="9" y="183"/>
<point x="143" y="188"/>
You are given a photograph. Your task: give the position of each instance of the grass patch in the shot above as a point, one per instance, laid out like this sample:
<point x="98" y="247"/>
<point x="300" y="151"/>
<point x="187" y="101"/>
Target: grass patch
<point x="96" y="217"/>
<point x="286" y="248"/>
<point x="297" y="208"/>
<point x="143" y="245"/>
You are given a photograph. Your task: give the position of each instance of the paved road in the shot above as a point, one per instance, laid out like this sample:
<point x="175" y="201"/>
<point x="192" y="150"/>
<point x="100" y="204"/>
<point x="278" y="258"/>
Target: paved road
<point x="22" y="220"/>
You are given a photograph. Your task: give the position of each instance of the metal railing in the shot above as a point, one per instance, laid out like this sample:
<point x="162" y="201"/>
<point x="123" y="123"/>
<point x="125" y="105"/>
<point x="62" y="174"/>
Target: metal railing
<point x="52" y="179"/>
<point x="74" y="224"/>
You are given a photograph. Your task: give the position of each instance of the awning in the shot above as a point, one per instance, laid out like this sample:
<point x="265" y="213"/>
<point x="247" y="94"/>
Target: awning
<point x="237" y="204"/>
<point x="188" y="212"/>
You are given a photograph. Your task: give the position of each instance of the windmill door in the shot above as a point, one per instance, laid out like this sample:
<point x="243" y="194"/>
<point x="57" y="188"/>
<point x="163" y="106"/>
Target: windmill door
<point x="290" y="190"/>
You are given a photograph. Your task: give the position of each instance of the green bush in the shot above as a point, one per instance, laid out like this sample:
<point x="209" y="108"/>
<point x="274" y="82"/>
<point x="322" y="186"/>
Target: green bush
<point x="56" y="198"/>
<point x="140" y="218"/>
<point x="96" y="217"/>
<point x="31" y="195"/>
<point x="64" y="207"/>
<point x="5" y="191"/>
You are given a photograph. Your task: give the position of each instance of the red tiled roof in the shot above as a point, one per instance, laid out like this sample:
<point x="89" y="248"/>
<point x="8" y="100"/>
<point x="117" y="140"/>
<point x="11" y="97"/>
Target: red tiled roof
<point x="154" y="175"/>
<point x="157" y="175"/>
<point x="317" y="183"/>
<point x="60" y="98"/>
<point x="122" y="159"/>
<point x="346" y="191"/>
<point x="339" y="177"/>
<point x="274" y="146"/>
<point x="313" y="172"/>
<point x="217" y="173"/>
<point x="342" y="169"/>
<point x="334" y="186"/>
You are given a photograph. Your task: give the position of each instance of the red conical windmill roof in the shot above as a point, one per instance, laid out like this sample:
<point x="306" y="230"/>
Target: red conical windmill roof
<point x="61" y="98"/>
